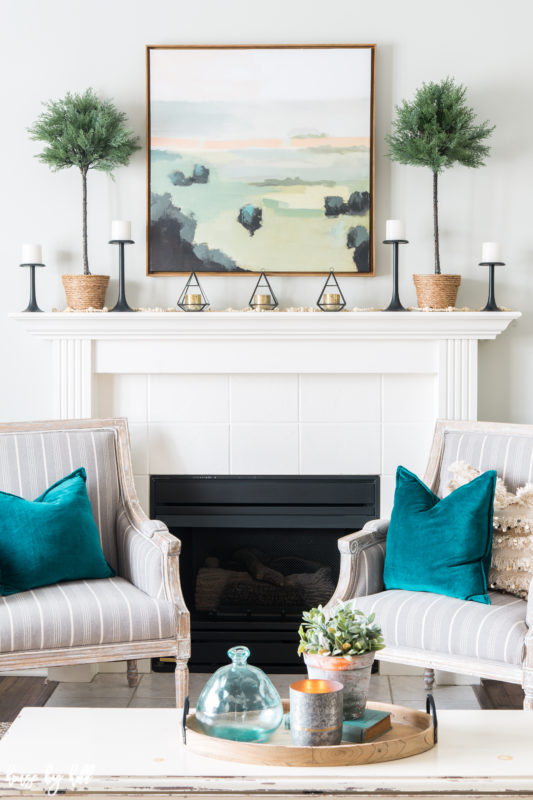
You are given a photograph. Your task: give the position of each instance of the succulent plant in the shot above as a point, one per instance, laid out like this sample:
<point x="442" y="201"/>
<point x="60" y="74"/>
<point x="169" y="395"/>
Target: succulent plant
<point x="345" y="631"/>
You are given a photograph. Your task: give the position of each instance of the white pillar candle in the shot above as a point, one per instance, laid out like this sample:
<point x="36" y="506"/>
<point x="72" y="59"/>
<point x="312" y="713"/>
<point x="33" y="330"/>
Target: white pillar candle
<point x="491" y="252"/>
<point x="120" y="229"/>
<point x="32" y="254"/>
<point x="394" y="229"/>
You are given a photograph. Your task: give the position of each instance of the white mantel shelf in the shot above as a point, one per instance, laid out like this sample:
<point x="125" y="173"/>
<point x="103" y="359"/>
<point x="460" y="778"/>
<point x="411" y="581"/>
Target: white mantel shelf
<point x="439" y="344"/>
<point x="267" y="325"/>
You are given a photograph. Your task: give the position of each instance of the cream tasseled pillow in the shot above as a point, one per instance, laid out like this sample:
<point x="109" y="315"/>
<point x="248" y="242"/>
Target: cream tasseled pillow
<point x="512" y="541"/>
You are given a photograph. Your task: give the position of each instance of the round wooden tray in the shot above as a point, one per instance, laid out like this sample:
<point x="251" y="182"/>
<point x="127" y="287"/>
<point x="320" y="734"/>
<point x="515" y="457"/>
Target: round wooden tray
<point x="412" y="732"/>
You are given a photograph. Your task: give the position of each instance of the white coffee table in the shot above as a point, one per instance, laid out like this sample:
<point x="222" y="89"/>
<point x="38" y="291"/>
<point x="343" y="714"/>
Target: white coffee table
<point x="100" y="752"/>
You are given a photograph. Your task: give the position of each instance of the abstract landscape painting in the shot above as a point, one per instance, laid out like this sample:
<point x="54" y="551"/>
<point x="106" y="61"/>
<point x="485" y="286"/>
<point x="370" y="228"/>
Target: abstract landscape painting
<point x="260" y="158"/>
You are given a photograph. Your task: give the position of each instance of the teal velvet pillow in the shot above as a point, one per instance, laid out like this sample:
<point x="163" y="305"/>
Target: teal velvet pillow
<point x="441" y="545"/>
<point x="54" y="538"/>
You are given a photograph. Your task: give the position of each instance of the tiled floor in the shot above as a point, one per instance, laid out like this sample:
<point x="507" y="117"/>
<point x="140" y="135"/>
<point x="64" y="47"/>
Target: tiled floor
<point x="157" y="690"/>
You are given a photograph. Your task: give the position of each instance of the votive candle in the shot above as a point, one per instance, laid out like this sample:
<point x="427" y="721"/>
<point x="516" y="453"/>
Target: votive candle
<point x="333" y="299"/>
<point x="262" y="299"/>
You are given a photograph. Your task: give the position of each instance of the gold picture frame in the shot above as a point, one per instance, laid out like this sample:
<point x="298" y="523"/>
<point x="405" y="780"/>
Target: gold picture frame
<point x="222" y="200"/>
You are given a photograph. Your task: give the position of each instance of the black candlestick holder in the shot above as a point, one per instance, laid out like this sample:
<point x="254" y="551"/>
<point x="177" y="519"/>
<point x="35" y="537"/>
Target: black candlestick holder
<point x="395" y="303"/>
<point x="491" y="301"/>
<point x="32" y="304"/>
<point x="122" y="303"/>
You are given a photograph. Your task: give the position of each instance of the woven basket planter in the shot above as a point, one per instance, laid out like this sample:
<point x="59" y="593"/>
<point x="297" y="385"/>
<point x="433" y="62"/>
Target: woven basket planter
<point x="85" y="291"/>
<point x="436" y="291"/>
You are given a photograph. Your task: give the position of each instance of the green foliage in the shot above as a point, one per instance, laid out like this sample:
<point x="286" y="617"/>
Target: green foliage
<point x="80" y="130"/>
<point x="345" y="632"/>
<point x="437" y="129"/>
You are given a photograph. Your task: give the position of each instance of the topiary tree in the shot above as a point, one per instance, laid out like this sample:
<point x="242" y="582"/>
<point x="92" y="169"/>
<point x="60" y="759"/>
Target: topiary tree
<point x="80" y="130"/>
<point x="437" y="130"/>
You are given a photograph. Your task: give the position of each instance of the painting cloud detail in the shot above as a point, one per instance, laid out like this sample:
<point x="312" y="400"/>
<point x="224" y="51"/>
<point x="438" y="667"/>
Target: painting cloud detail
<point x="200" y="174"/>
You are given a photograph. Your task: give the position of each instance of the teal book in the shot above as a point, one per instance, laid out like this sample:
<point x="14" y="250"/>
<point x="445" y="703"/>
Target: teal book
<point x="368" y="727"/>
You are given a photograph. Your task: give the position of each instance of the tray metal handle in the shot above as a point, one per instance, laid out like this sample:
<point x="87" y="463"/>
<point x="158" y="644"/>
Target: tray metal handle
<point x="184" y="720"/>
<point x="432" y="708"/>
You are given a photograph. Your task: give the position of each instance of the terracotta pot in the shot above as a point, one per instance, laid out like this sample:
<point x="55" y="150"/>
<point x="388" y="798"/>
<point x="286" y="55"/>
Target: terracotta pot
<point x="352" y="671"/>
<point x="85" y="291"/>
<point x="436" y="291"/>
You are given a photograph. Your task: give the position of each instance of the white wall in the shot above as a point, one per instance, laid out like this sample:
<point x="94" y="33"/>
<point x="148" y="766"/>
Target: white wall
<point x="49" y="48"/>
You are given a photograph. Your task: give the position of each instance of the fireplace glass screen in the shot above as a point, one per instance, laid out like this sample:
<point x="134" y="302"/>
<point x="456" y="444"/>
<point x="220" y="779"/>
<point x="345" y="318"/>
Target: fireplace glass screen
<point x="256" y="552"/>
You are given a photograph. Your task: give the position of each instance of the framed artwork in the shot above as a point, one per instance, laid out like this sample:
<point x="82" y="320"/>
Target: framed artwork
<point x="260" y="158"/>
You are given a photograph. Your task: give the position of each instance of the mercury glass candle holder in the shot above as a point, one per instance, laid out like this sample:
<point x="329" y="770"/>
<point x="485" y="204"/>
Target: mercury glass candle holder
<point x="316" y="712"/>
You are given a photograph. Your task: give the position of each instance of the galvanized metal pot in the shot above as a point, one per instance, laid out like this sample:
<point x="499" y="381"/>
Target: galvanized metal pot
<point x="352" y="671"/>
<point x="316" y="713"/>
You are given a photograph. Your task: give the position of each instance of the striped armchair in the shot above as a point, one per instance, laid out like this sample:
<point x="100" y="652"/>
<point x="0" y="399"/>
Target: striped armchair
<point x="140" y="613"/>
<point x="431" y="630"/>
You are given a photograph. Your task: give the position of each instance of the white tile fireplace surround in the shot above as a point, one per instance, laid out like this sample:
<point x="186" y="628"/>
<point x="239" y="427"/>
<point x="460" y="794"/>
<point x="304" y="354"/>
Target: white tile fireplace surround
<point x="270" y="392"/>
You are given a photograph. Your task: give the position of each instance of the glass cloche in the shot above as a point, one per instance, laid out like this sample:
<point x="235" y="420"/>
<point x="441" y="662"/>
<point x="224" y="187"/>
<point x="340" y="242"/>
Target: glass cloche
<point x="239" y="702"/>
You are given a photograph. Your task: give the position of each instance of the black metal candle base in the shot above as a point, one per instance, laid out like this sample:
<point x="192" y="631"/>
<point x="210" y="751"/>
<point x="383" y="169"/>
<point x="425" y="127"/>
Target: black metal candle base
<point x="491" y="301"/>
<point x="122" y="303"/>
<point x="395" y="303"/>
<point x="32" y="304"/>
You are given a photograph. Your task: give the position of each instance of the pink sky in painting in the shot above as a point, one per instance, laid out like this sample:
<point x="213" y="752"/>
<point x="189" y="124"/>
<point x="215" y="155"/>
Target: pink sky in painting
<point x="178" y="145"/>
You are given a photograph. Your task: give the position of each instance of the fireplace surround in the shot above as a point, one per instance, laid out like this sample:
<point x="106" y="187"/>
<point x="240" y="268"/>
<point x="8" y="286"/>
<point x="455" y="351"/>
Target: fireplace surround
<point x="297" y="393"/>
<point x="256" y="551"/>
<point x="250" y="393"/>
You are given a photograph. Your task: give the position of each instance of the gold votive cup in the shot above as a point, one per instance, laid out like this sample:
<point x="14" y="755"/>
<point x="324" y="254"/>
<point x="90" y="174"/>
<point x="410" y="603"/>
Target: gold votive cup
<point x="193" y="301"/>
<point x="262" y="300"/>
<point x="332" y="300"/>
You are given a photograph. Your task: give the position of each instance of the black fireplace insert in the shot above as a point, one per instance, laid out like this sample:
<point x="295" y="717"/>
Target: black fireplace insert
<point x="256" y="552"/>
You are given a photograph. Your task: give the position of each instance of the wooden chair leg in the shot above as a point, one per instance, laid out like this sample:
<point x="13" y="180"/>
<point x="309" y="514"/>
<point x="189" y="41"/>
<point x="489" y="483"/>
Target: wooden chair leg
<point x="181" y="676"/>
<point x="133" y="675"/>
<point x="527" y="686"/>
<point x="429" y="679"/>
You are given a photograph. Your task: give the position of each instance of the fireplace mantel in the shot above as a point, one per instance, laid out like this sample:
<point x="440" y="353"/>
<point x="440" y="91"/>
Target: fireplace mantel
<point x="199" y="388"/>
<point x="246" y="325"/>
<point x="441" y="343"/>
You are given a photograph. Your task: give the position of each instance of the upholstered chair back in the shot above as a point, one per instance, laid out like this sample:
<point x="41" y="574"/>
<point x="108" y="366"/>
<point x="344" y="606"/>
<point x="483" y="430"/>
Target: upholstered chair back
<point x="510" y="454"/>
<point x="32" y="461"/>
